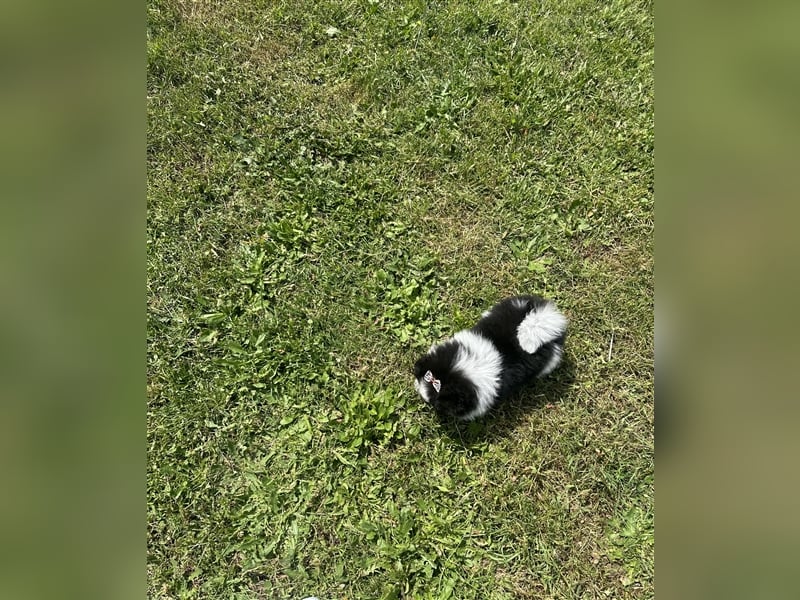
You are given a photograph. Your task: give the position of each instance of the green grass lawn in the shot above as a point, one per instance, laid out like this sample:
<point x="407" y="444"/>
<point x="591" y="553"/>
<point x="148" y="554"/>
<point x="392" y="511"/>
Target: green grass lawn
<point x="333" y="186"/>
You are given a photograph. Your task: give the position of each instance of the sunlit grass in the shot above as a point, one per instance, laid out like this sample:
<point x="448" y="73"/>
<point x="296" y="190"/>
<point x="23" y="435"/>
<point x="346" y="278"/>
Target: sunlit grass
<point x="332" y="187"/>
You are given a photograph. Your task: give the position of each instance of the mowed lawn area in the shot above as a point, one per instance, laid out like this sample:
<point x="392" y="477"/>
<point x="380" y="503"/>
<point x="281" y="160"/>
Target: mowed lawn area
<point x="335" y="185"/>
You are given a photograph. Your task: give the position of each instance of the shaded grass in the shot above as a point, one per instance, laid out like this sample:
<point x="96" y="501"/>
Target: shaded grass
<point x="334" y="186"/>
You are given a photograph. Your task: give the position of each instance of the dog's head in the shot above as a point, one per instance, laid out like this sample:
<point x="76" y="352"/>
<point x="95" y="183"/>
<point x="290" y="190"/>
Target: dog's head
<point x="447" y="389"/>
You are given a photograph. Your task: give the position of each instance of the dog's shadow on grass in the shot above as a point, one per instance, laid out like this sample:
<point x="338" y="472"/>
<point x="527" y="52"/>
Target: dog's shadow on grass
<point x="504" y="418"/>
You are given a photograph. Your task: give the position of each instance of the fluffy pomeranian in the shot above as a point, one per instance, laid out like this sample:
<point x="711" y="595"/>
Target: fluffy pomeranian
<point x="515" y="341"/>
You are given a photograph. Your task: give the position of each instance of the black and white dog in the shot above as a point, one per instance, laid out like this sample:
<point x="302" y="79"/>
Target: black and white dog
<point x="516" y="340"/>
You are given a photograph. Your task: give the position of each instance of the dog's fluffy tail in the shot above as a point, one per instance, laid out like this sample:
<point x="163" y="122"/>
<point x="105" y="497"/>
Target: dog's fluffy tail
<point x="541" y="325"/>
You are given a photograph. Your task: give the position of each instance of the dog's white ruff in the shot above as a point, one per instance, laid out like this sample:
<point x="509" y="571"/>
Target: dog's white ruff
<point x="540" y="326"/>
<point x="480" y="362"/>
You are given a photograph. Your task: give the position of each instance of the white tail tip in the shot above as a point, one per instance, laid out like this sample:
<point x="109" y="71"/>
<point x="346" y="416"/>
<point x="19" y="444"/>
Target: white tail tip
<point x="540" y="326"/>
